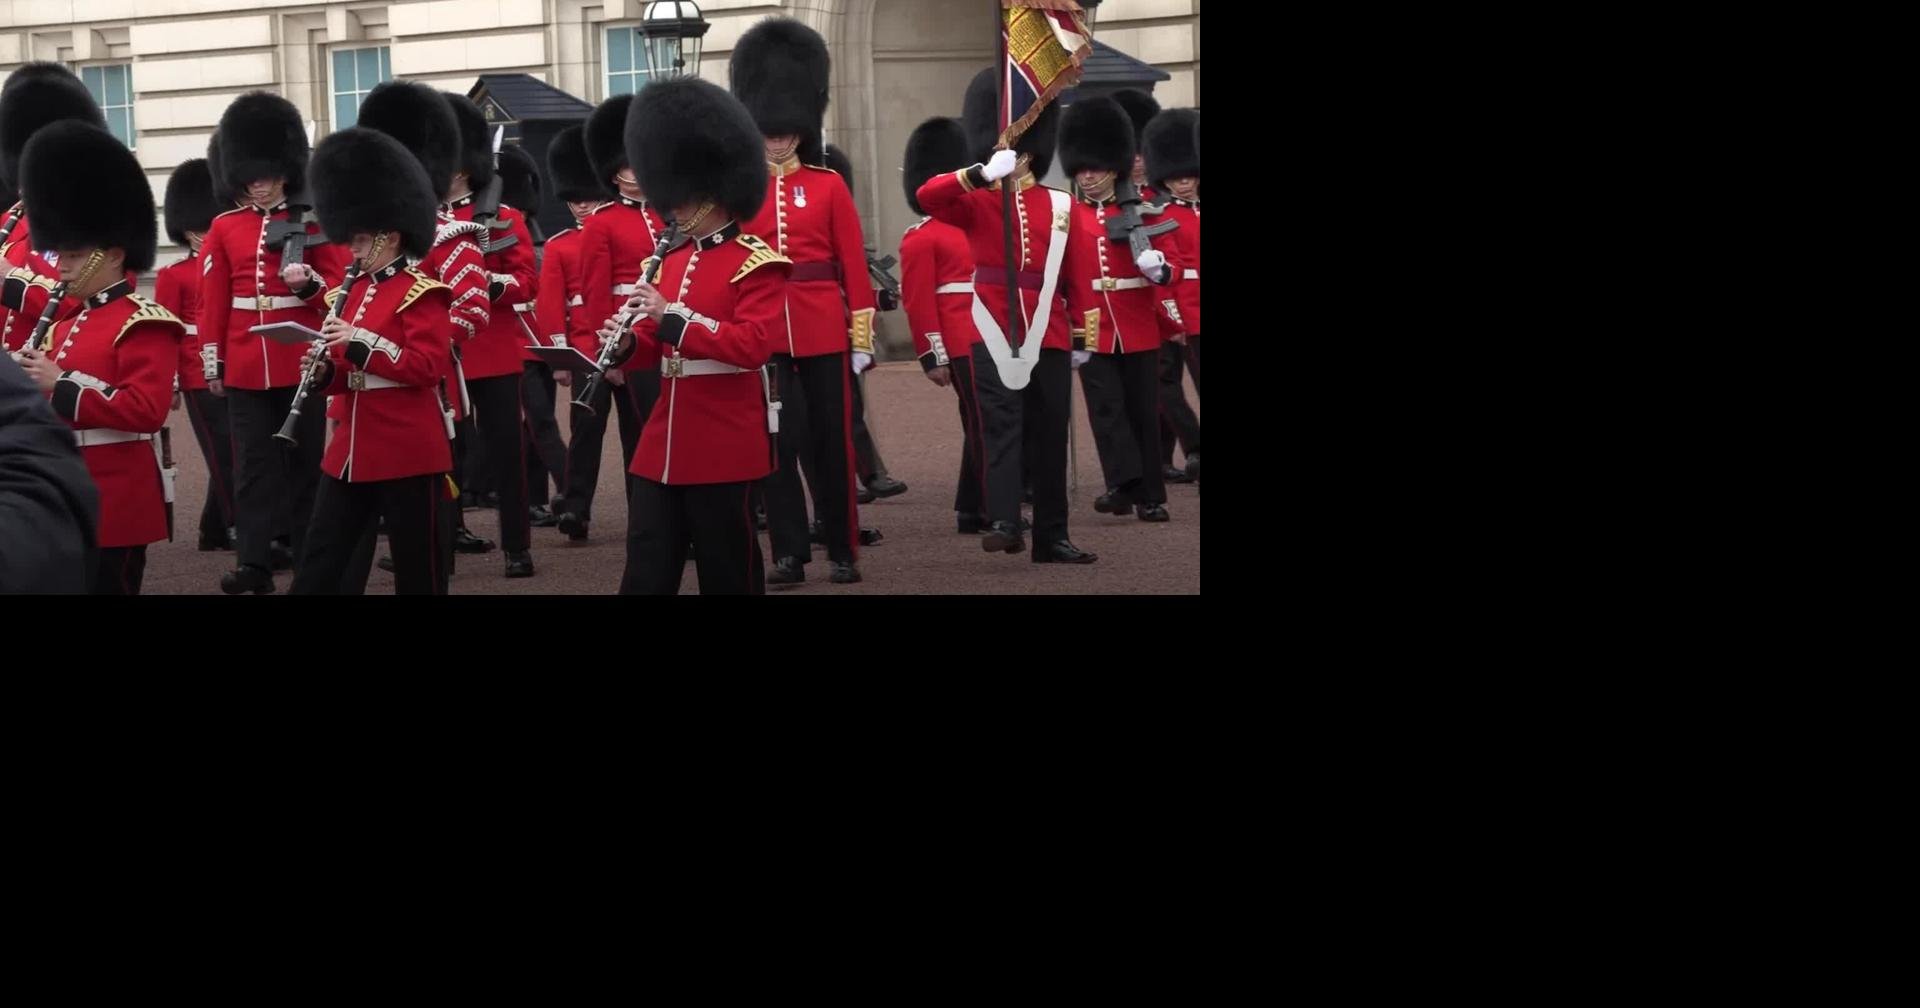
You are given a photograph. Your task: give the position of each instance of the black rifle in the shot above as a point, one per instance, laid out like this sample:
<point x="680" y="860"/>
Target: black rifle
<point x="1126" y="228"/>
<point x="886" y="286"/>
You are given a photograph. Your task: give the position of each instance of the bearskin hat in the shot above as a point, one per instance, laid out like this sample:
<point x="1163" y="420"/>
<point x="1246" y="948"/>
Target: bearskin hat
<point x="476" y="140"/>
<point x="688" y="140"/>
<point x="191" y="204"/>
<point x="423" y="122"/>
<point x="779" y="71"/>
<point x="365" y="181"/>
<point x="980" y="114"/>
<point x="1096" y="133"/>
<point x="87" y="190"/>
<point x="1172" y="145"/>
<point x="35" y="95"/>
<point x="606" y="138"/>
<point x="574" y="180"/>
<point x="935" y="147"/>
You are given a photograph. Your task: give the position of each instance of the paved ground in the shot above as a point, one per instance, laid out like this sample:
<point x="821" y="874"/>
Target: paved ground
<point x="918" y="429"/>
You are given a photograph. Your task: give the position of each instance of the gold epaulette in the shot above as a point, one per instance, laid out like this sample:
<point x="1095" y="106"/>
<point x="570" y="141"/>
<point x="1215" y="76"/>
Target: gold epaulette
<point x="762" y="254"/>
<point x="422" y="283"/>
<point x="147" y="311"/>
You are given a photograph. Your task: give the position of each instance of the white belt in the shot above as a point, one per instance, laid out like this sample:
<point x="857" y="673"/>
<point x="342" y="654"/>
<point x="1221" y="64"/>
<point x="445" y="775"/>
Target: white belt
<point x="89" y="438"/>
<point x="681" y="367"/>
<point x="576" y="301"/>
<point x="1190" y="274"/>
<point x="524" y="306"/>
<point x="1118" y="283"/>
<point x="624" y="289"/>
<point x="361" y="381"/>
<point x="264" y="303"/>
<point x="963" y="287"/>
<point x="192" y="330"/>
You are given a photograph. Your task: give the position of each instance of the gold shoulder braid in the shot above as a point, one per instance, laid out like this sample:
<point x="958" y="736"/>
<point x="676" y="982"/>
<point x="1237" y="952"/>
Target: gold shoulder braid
<point x="147" y="311"/>
<point x="761" y="256"/>
<point x="422" y="283"/>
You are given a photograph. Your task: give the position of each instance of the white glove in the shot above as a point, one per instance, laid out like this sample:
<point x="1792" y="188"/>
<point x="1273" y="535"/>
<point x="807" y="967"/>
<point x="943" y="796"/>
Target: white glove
<point x="1081" y="357"/>
<point x="1152" y="264"/>
<point x="861" y="361"/>
<point x="1000" y="165"/>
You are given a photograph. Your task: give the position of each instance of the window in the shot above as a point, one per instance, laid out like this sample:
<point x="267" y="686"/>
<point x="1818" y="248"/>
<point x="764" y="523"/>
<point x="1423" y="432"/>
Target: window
<point x="112" y="87"/>
<point x="626" y="61"/>
<point x="355" y="72"/>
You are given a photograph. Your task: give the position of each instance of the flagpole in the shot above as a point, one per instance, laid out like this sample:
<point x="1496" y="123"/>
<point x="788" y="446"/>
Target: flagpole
<point x="1008" y="187"/>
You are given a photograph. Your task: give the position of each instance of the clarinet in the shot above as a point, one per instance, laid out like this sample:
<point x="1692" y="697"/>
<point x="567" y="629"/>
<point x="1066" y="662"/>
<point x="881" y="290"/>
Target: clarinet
<point x="313" y="368"/>
<point x="40" y="340"/>
<point x="13" y="221"/>
<point x="649" y="272"/>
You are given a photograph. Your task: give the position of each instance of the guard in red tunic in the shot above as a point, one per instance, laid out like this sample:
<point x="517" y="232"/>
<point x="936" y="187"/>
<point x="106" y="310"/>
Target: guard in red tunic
<point x="614" y="240"/>
<point x="712" y="314"/>
<point x="34" y="95"/>
<point x="560" y="307"/>
<point x="1173" y="166"/>
<point x="492" y="360"/>
<point x="936" y="285"/>
<point x="424" y="124"/>
<point x="1115" y="292"/>
<point x="546" y="450"/>
<point x="108" y="364"/>
<point x="245" y="283"/>
<point x="1028" y="415"/>
<point x="388" y="343"/>
<point x="190" y="208"/>
<point x="779" y="71"/>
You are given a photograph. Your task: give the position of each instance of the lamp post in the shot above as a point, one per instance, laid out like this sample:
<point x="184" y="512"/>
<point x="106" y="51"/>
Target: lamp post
<point x="672" y="29"/>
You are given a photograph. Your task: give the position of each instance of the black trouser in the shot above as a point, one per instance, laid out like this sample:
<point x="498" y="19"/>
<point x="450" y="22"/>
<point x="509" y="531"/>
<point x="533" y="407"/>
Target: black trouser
<point x="120" y="569"/>
<point x="1026" y="431"/>
<point x="207" y="413"/>
<point x="496" y="418"/>
<point x="1177" y="420"/>
<point x="866" y="455"/>
<point x="967" y="499"/>
<point x="820" y="385"/>
<point x="273" y="484"/>
<point x="1193" y="360"/>
<point x="360" y="566"/>
<point x="545" y="452"/>
<point x="1123" y="408"/>
<point x="344" y="513"/>
<point x="717" y="518"/>
<point x="634" y="403"/>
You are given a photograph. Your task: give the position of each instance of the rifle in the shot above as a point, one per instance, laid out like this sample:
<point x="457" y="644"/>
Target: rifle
<point x="1126" y="227"/>
<point x="886" y="286"/>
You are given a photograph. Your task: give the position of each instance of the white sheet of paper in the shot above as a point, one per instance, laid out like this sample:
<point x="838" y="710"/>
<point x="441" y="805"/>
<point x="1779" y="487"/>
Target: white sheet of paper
<point x="290" y="333"/>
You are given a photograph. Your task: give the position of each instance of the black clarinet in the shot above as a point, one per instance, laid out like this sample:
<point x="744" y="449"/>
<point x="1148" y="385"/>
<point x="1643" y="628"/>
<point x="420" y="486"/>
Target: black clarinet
<point x="313" y="369"/>
<point x="13" y="221"/>
<point x="649" y="272"/>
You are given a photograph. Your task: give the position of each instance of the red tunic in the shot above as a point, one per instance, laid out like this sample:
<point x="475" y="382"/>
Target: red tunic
<point x="388" y="374"/>
<point x="118" y="355"/>
<point x="177" y="289"/>
<point x="728" y="293"/>
<point x="1105" y="288"/>
<point x="238" y="263"/>
<point x="559" y="298"/>
<point x="935" y="255"/>
<point x="26" y="279"/>
<point x="1187" y="291"/>
<point x="501" y="346"/>
<point x="810" y="218"/>
<point x="955" y="199"/>
<point x="614" y="241"/>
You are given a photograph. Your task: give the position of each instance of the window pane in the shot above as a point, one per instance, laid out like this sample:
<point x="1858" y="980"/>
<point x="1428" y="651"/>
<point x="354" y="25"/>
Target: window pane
<point x="116" y="85"/>
<point x="90" y="76"/>
<point x="346" y="109"/>
<point x="619" y="51"/>
<point x="120" y="121"/>
<point x="386" y="64"/>
<point x="369" y="60"/>
<point x="342" y="70"/>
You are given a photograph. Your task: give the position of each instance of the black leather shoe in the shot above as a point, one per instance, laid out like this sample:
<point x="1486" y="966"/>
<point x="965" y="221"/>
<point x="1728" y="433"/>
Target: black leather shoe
<point x="282" y="555"/>
<point x="861" y="494"/>
<point x="870" y="536"/>
<point x="1151" y="512"/>
<point x="539" y="516"/>
<point x="1061" y="551"/>
<point x="883" y="485"/>
<point x="385" y="563"/>
<point x="844" y="572"/>
<point x="1114" y="502"/>
<point x="466" y="542"/>
<point x="1193" y="467"/>
<point x="573" y="525"/>
<point x="490" y="500"/>
<point x="967" y="524"/>
<point x="787" y="570"/>
<point x="1003" y="537"/>
<point x="469" y="501"/>
<point x="247" y="578"/>
<point x="1172" y="474"/>
<point x="519" y="564"/>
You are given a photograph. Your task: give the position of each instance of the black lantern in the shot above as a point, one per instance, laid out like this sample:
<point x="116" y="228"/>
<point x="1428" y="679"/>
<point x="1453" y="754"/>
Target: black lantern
<point x="672" y="29"/>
